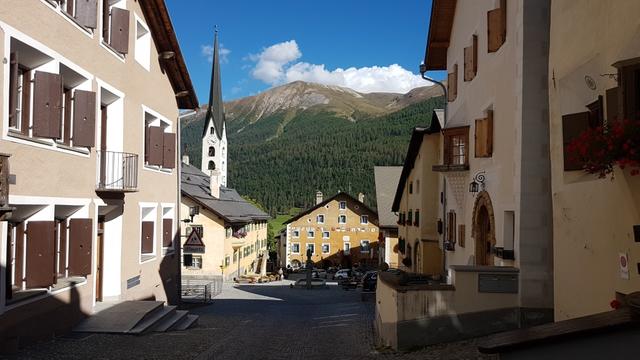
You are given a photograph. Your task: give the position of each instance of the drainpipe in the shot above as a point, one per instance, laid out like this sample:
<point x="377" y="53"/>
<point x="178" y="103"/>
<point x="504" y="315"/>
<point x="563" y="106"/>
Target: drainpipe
<point x="423" y="70"/>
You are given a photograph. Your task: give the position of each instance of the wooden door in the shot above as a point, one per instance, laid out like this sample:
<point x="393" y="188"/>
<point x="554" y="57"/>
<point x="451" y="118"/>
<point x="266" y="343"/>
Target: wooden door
<point x="483" y="240"/>
<point x="99" y="258"/>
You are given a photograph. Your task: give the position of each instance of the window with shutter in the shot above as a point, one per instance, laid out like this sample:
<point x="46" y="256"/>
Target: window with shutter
<point x="13" y="90"/>
<point x="471" y="59"/>
<point x="456" y="143"/>
<point x="169" y="151"/>
<point x="484" y="136"/>
<point x="630" y="86"/>
<point x="155" y="146"/>
<point x="452" y="83"/>
<point x="146" y="241"/>
<point x="596" y="112"/>
<point x="167" y="229"/>
<point x="572" y="126"/>
<point x="119" y="30"/>
<point x="40" y="264"/>
<point x="86" y="13"/>
<point x="451" y="227"/>
<point x="61" y="228"/>
<point x="84" y="118"/>
<point x="66" y="115"/>
<point x="80" y="235"/>
<point x="497" y="27"/>
<point x="47" y="105"/>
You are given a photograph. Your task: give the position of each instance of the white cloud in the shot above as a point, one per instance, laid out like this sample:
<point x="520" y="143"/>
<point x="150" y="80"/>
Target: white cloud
<point x="275" y="65"/>
<point x="207" y="50"/>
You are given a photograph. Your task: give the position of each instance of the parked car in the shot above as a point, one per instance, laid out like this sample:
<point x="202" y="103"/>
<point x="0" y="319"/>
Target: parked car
<point x="343" y="274"/>
<point x="369" y="281"/>
<point x="319" y="273"/>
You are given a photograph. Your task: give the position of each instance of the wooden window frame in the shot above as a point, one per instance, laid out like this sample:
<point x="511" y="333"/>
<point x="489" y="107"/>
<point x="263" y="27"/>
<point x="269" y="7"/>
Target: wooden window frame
<point x="497" y="36"/>
<point x="451" y="134"/>
<point x="471" y="59"/>
<point x="483" y="135"/>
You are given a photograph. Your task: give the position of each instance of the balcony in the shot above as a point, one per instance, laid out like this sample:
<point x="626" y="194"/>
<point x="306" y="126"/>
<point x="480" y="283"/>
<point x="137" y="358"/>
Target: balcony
<point x="117" y="172"/>
<point x="450" y="167"/>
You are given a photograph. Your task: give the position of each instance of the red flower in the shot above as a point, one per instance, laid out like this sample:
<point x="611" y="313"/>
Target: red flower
<point x="615" y="304"/>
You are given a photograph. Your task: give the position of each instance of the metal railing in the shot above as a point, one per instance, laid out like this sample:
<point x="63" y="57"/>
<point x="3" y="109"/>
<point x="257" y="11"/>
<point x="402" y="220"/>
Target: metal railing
<point x="200" y="289"/>
<point x="117" y="171"/>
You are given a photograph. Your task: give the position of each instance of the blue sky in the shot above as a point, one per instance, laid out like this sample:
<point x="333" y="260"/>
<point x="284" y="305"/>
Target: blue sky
<point x="269" y="43"/>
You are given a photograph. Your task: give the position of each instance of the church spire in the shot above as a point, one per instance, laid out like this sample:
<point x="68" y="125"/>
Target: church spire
<point x="215" y="110"/>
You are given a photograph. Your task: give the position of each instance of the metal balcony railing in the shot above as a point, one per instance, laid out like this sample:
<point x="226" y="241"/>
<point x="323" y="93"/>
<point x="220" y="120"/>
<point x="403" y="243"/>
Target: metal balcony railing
<point x="117" y="171"/>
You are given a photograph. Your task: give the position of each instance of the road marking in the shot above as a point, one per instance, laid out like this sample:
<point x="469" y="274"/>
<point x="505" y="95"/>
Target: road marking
<point x="334" y="316"/>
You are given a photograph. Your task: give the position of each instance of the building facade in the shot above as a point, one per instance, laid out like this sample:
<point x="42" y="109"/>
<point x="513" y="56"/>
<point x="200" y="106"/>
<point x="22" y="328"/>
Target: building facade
<point x="90" y="99"/>
<point x="340" y="231"/>
<point x="593" y="83"/>
<point x="231" y="238"/>
<point x="386" y="179"/>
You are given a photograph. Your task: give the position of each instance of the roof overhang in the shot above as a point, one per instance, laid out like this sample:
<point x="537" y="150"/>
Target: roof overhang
<point x="440" y="24"/>
<point x="164" y="36"/>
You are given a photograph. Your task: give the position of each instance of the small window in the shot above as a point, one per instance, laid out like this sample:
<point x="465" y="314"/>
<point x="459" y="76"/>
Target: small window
<point x="410" y="218"/>
<point x="212" y="131"/>
<point x="212" y="151"/>
<point x="212" y="165"/>
<point x="142" y="49"/>
<point x="311" y="247"/>
<point x="196" y="262"/>
<point x="296" y="233"/>
<point x="159" y="142"/>
<point x="364" y="246"/>
<point x="342" y="219"/>
<point x="411" y="187"/>
<point x="326" y="248"/>
<point x="227" y="261"/>
<point x="417" y="220"/>
<point x="497" y="27"/>
<point x="295" y="248"/>
<point x="325" y="234"/>
<point x="320" y="219"/>
<point x="343" y="205"/>
<point x="484" y="135"/>
<point x="452" y="84"/>
<point x="364" y="219"/>
<point x="311" y="234"/>
<point x="115" y="25"/>
<point x="346" y="248"/>
<point x="456" y="142"/>
<point x="471" y="59"/>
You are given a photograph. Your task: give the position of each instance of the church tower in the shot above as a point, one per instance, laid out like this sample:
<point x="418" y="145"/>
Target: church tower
<point x="214" y="134"/>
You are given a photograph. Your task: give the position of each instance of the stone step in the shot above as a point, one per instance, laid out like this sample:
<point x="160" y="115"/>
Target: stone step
<point x="118" y="317"/>
<point x="151" y="319"/>
<point x="186" y="322"/>
<point x="170" y="321"/>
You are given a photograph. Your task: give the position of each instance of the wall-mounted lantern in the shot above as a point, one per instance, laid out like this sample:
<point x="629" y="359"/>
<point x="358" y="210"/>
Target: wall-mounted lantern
<point x="477" y="184"/>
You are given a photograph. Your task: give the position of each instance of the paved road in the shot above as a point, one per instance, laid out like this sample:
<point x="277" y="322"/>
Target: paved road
<point x="262" y="321"/>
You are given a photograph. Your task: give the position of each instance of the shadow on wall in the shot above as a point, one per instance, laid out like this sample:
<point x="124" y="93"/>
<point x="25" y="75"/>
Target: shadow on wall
<point x="39" y="320"/>
<point x="355" y="258"/>
<point x="169" y="272"/>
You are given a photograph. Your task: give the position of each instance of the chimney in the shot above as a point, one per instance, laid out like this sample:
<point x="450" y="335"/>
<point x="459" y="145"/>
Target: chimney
<point x="185" y="159"/>
<point x="318" y="197"/>
<point x="214" y="183"/>
<point x="361" y="197"/>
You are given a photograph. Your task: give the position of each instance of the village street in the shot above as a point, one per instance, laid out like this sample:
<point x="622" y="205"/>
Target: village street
<point x="262" y="321"/>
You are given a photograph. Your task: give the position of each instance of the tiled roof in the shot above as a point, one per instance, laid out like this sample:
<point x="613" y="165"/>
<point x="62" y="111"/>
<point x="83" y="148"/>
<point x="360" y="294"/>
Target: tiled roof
<point x="230" y="205"/>
<point x="387" y="178"/>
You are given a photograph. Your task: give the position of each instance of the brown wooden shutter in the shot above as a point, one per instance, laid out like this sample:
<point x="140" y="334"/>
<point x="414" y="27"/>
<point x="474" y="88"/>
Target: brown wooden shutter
<point x="87" y="13"/>
<point x="19" y="257"/>
<point x="26" y="102"/>
<point x="66" y="126"/>
<point x="496" y="29"/>
<point x="572" y="126"/>
<point x="461" y="235"/>
<point x="80" y="240"/>
<point x="612" y="104"/>
<point x="451" y="229"/>
<point x="446" y="160"/>
<point x="47" y="105"/>
<point x="596" y="112"/>
<point x="155" y="147"/>
<point x="471" y="60"/>
<point x="167" y="229"/>
<point x="13" y="90"/>
<point x="452" y="83"/>
<point x="484" y="136"/>
<point x="41" y="272"/>
<point x="169" y="151"/>
<point x="84" y="118"/>
<point x="147" y="237"/>
<point x="62" y="252"/>
<point x="119" y="38"/>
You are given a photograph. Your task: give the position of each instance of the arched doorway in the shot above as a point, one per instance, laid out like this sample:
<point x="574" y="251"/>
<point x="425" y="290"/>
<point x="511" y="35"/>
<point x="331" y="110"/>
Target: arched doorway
<point x="484" y="229"/>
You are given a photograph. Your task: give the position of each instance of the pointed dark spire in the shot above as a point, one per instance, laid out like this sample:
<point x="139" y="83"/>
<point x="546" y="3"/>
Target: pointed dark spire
<point x="215" y="110"/>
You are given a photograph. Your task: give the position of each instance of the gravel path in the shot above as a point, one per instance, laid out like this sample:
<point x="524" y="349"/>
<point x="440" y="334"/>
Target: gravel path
<point x="261" y="321"/>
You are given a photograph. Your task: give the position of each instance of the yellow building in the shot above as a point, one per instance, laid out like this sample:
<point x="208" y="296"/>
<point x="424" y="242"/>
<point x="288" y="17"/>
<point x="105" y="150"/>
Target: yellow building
<point x="593" y="80"/>
<point x="232" y="233"/>
<point x="417" y="203"/>
<point x="340" y="231"/>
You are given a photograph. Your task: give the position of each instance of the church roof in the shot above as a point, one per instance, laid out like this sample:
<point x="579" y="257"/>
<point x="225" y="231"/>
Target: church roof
<point x="215" y="108"/>
<point x="230" y="205"/>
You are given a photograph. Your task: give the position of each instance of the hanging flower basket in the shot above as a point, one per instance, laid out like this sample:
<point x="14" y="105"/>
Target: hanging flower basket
<point x="601" y="149"/>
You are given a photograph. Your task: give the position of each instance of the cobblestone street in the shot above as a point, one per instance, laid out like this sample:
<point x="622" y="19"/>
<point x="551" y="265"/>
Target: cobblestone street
<point x="262" y="321"/>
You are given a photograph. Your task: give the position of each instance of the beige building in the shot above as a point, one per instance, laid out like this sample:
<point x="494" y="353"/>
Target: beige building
<point x="416" y="201"/>
<point x="90" y="98"/>
<point x="340" y="231"/>
<point x="493" y="190"/>
<point x="593" y="80"/>
<point x="232" y="233"/>
<point x="386" y="180"/>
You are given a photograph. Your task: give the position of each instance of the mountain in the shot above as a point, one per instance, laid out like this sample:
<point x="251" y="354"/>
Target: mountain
<point x="291" y="140"/>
